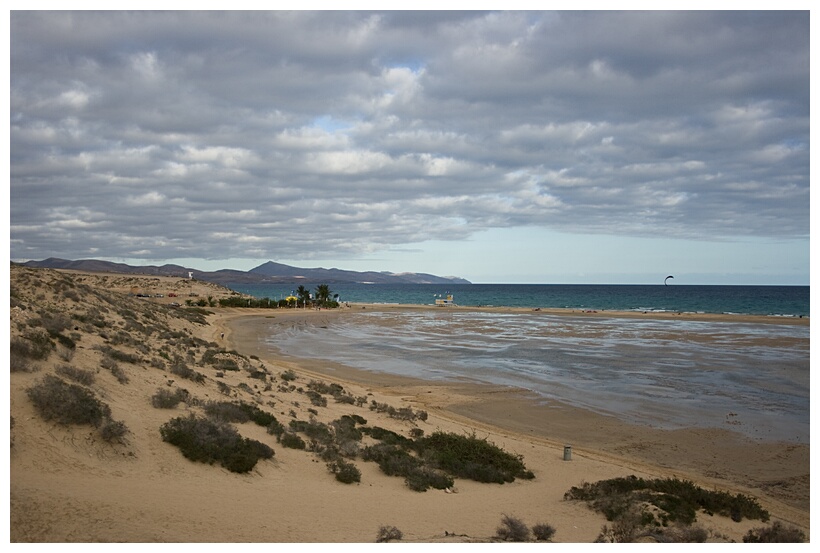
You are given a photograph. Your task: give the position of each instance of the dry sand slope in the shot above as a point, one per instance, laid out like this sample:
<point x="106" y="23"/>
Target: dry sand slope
<point x="69" y="484"/>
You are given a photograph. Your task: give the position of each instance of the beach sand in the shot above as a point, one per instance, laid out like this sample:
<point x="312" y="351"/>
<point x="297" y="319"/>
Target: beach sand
<point x="67" y="485"/>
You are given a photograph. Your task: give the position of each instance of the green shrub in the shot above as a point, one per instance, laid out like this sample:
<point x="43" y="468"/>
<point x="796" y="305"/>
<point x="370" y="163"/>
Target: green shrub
<point x="65" y="341"/>
<point x="316" y="398"/>
<point x="678" y="500"/>
<point x="122" y="356"/>
<point x="325" y="388"/>
<point x="776" y="533"/>
<point x="113" y="431"/>
<point x="386" y="436"/>
<point x="182" y="370"/>
<point x="392" y="460"/>
<point x="288" y="375"/>
<point x="209" y="441"/>
<point x="313" y="429"/>
<point x="118" y="373"/>
<point x="421" y="478"/>
<point x="292" y="441"/>
<point x="344" y="430"/>
<point x="471" y="457"/>
<point x="67" y="403"/>
<point x="388" y="533"/>
<point x="345" y="472"/>
<point x="276" y="428"/>
<point x="237" y="411"/>
<point x="355" y="418"/>
<point x="33" y="345"/>
<point x="77" y="375"/>
<point x="513" y="529"/>
<point x="543" y="532"/>
<point x="19" y="363"/>
<point x="167" y="399"/>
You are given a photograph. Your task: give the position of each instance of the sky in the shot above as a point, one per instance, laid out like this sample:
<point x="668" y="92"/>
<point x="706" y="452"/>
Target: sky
<point x="496" y="146"/>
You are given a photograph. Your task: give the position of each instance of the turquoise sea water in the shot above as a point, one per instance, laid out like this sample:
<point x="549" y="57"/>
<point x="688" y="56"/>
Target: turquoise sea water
<point x="757" y="300"/>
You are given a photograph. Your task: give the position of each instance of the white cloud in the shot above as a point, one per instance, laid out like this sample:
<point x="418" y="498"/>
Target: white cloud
<point x="297" y="131"/>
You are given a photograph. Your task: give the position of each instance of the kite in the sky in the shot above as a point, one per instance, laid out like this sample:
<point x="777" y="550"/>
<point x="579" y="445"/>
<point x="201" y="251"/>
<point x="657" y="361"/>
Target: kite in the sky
<point x="667" y="278"/>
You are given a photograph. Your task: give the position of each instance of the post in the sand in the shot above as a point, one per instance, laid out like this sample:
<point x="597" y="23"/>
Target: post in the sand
<point x="567" y="453"/>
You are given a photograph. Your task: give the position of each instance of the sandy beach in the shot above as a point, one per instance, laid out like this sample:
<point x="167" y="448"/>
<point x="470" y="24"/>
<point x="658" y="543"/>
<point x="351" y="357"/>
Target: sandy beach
<point x="67" y="485"/>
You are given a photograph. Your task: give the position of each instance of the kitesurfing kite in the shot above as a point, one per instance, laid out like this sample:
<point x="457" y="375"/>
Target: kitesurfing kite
<point x="667" y="278"/>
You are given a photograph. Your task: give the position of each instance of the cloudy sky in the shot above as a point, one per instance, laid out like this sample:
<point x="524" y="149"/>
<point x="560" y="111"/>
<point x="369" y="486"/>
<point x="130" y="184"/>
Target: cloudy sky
<point x="496" y="146"/>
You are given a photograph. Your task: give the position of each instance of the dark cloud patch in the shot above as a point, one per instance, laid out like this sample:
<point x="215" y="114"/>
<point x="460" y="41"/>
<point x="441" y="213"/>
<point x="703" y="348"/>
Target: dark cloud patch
<point x="295" y="134"/>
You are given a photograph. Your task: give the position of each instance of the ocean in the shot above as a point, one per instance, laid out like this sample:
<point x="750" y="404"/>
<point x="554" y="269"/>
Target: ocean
<point x="790" y="301"/>
<point x="751" y="378"/>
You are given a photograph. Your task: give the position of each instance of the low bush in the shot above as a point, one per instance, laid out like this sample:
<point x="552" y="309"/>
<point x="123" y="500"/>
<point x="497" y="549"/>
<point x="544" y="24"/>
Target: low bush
<point x="386" y="436"/>
<point x="325" y="388"/>
<point x="292" y="441"/>
<point x="543" y="532"/>
<point x="208" y="441"/>
<point x="345" y="472"/>
<point x="471" y="457"/>
<point x="119" y="355"/>
<point x="80" y="376"/>
<point x="422" y="478"/>
<point x="388" y="533"/>
<point x="776" y="533"/>
<point x="313" y="429"/>
<point x="238" y="411"/>
<point x="344" y="430"/>
<point x="276" y="428"/>
<point x="513" y="529"/>
<point x="288" y="375"/>
<point x="19" y="364"/>
<point x="677" y="500"/>
<point x="67" y="403"/>
<point x="33" y="345"/>
<point x="113" y="431"/>
<point x="118" y="373"/>
<point x="167" y="399"/>
<point x="316" y="398"/>
<point x="183" y="371"/>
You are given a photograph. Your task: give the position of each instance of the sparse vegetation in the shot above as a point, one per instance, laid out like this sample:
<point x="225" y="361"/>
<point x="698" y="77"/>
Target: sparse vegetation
<point x="675" y="500"/>
<point x="291" y="440"/>
<point x="238" y="411"/>
<point x="776" y="533"/>
<point x="164" y="398"/>
<point x="513" y="529"/>
<point x="472" y="457"/>
<point x="86" y="378"/>
<point x="209" y="441"/>
<point x="345" y="472"/>
<point x="64" y="403"/>
<point x="543" y="532"/>
<point x="388" y="533"/>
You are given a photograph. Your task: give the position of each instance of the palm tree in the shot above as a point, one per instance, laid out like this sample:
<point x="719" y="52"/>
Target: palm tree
<point x="323" y="294"/>
<point x="303" y="294"/>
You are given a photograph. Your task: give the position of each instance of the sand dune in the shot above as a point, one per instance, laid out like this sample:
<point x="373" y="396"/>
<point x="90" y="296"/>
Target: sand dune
<point x="68" y="484"/>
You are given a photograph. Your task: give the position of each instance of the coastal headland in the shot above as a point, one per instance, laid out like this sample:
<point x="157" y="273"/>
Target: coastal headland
<point x="69" y="485"/>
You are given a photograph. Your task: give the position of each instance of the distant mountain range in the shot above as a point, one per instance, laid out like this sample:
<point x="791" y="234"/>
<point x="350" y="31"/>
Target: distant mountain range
<point x="269" y="272"/>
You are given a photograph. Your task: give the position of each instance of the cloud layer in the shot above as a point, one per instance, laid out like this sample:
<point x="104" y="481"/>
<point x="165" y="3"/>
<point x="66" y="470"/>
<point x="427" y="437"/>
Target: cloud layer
<point x="294" y="134"/>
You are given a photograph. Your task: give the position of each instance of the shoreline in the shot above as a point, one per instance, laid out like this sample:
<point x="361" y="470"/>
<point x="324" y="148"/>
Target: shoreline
<point x="615" y="314"/>
<point x="773" y="471"/>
